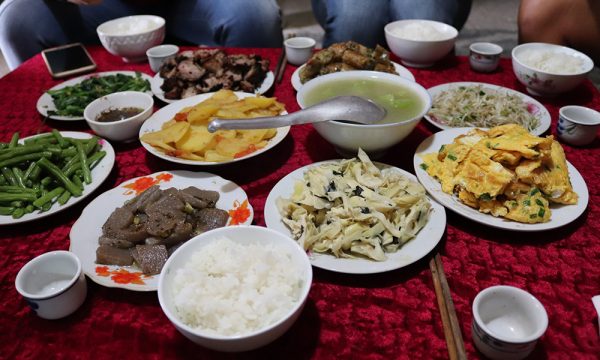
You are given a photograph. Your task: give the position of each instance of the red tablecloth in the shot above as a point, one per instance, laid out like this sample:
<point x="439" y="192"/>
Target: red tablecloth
<point x="390" y="315"/>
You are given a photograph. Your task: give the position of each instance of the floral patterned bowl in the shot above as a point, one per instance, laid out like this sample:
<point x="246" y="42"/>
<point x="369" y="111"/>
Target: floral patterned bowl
<point x="545" y="82"/>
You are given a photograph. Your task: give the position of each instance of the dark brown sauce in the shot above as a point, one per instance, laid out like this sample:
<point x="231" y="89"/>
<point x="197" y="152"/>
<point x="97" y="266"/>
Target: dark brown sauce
<point x="118" y="114"/>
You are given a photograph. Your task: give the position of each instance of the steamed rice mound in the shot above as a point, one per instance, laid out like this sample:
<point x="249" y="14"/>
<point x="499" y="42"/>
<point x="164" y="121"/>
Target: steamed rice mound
<point x="229" y="288"/>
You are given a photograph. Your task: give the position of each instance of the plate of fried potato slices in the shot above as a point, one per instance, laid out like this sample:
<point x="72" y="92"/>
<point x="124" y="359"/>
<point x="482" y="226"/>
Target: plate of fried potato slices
<point x="179" y="131"/>
<point x="504" y="177"/>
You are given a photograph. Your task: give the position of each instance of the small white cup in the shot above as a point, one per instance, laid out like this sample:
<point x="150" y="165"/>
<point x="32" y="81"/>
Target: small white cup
<point x="507" y="322"/>
<point x="53" y="284"/>
<point x="299" y="49"/>
<point x="577" y="125"/>
<point x="484" y="56"/>
<point x="158" y="54"/>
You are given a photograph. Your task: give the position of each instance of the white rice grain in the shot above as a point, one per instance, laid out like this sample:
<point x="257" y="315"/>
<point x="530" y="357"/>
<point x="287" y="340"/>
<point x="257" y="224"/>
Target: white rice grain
<point x="228" y="288"/>
<point x="552" y="61"/>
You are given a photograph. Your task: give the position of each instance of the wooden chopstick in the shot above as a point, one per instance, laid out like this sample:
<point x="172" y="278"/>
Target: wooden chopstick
<point x="454" y="340"/>
<point x="279" y="70"/>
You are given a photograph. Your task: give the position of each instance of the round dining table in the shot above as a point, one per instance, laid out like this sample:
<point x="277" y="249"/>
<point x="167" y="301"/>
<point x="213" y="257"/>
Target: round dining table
<point x="389" y="315"/>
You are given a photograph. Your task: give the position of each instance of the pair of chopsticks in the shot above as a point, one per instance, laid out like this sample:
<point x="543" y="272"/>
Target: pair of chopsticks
<point x="279" y="70"/>
<point x="454" y="340"/>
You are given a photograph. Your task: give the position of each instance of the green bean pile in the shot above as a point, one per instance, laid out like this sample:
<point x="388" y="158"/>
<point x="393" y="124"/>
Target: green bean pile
<point x="72" y="100"/>
<point x="43" y="170"/>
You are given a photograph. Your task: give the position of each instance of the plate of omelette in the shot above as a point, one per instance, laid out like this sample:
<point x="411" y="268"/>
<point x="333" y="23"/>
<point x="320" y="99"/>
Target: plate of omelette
<point x="503" y="177"/>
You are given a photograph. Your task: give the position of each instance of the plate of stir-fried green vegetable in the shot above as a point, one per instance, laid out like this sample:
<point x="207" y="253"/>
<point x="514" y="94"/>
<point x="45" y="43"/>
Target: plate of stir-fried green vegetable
<point x="67" y="100"/>
<point x="46" y="173"/>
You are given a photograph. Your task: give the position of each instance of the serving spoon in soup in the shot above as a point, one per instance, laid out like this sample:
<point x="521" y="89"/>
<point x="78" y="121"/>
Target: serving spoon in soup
<point x="352" y="109"/>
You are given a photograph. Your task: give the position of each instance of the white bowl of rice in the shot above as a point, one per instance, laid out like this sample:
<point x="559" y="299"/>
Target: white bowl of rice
<point x="129" y="37"/>
<point x="235" y="288"/>
<point x="420" y="43"/>
<point x="548" y="69"/>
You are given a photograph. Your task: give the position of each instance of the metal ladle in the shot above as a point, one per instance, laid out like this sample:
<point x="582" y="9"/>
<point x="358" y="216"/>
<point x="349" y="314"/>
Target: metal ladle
<point x="353" y="109"/>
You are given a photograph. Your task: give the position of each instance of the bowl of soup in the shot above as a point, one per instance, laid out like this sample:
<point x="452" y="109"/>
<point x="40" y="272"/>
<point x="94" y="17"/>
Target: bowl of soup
<point x="404" y="100"/>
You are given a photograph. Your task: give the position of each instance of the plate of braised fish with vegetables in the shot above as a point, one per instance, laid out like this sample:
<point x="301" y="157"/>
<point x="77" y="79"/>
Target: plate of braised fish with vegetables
<point x="50" y="172"/>
<point x="481" y="105"/>
<point x="179" y="131"/>
<point x="504" y="177"/>
<point x="202" y="71"/>
<point x="125" y="235"/>
<point x="347" y="56"/>
<point x="355" y="216"/>
<point x="67" y="100"/>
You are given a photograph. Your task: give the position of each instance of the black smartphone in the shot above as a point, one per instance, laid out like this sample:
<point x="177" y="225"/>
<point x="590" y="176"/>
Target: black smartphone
<point x="67" y="60"/>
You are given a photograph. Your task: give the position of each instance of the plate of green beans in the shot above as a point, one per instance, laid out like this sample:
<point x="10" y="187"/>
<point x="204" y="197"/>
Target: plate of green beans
<point x="46" y="173"/>
<point x="67" y="100"/>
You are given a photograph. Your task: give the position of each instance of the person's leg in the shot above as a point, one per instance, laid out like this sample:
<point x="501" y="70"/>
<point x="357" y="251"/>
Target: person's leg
<point x="453" y="12"/>
<point x="29" y="26"/>
<point x="361" y="21"/>
<point x="573" y="23"/>
<point x="239" y="23"/>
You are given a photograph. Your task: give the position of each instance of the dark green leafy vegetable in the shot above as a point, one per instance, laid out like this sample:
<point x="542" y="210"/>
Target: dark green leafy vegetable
<point x="71" y="100"/>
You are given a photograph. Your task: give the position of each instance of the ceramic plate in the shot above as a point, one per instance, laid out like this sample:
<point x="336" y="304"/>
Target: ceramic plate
<point x="157" y="82"/>
<point x="99" y="173"/>
<point x="401" y="70"/>
<point x="412" y="251"/>
<point x="561" y="214"/>
<point x="534" y="106"/>
<point x="88" y="228"/>
<point x="155" y="122"/>
<point x="45" y="102"/>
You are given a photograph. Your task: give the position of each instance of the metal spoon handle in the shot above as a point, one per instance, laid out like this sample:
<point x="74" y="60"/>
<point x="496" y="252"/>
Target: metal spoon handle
<point x="267" y="122"/>
<point x="348" y="108"/>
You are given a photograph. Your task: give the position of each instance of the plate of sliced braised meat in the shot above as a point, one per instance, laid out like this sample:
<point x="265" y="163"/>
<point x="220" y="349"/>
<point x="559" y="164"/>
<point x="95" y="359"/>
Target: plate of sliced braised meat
<point x="201" y="71"/>
<point x="124" y="236"/>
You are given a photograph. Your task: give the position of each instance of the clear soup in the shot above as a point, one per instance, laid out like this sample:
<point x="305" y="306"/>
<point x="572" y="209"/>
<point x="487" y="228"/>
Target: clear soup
<point x="400" y="102"/>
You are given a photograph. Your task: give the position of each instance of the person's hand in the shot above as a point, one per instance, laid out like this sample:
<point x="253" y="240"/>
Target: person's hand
<point x="85" y="2"/>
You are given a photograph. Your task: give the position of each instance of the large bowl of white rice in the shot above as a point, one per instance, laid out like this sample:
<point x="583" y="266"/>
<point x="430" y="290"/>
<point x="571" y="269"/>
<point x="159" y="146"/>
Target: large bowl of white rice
<point x="420" y="43"/>
<point x="129" y="37"/>
<point x="548" y="69"/>
<point x="235" y="288"/>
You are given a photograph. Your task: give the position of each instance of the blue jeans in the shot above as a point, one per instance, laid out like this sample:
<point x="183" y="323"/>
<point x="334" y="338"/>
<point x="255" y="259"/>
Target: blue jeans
<point x="363" y="20"/>
<point x="29" y="26"/>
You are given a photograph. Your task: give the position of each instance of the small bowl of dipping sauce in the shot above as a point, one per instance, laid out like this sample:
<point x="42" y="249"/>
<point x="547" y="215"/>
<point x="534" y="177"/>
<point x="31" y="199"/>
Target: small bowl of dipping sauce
<point x="53" y="284"/>
<point x="507" y="322"/>
<point x="119" y="116"/>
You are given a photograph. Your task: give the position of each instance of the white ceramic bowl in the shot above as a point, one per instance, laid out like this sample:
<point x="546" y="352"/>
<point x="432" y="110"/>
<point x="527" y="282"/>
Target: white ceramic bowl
<point x="53" y="284"/>
<point x="408" y="39"/>
<point x="243" y="235"/>
<point x="373" y="139"/>
<point x="129" y="37"/>
<point x="121" y="130"/>
<point x="507" y="322"/>
<point x="545" y="83"/>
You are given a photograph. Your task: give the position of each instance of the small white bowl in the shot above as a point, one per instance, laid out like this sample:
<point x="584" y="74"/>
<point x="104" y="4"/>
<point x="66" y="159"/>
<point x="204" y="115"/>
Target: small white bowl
<point x="120" y="130"/>
<point x="242" y="235"/>
<point x="53" y="284"/>
<point x="577" y="125"/>
<point x="544" y="83"/>
<point x="299" y="49"/>
<point x="507" y="322"/>
<point x="373" y="139"/>
<point x="129" y="37"/>
<point x="414" y="49"/>
<point x="484" y="56"/>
